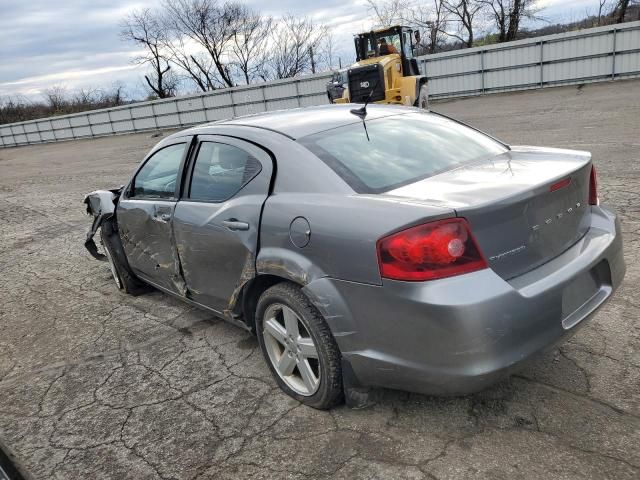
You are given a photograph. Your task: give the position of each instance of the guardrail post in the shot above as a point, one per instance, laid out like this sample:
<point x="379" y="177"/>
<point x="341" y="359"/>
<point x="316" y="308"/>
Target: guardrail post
<point x="90" y="127"/>
<point x="613" y="56"/>
<point x="153" y="114"/>
<point x="204" y="107"/>
<point x="264" y="97"/>
<point x="541" y="64"/>
<point x="482" y="69"/>
<point x="296" y="82"/>
<point x="178" y="112"/>
<point x="110" y="121"/>
<point x="233" y="105"/>
<point x="133" y="124"/>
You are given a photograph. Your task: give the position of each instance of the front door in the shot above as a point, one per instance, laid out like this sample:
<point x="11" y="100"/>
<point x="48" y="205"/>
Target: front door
<point x="217" y="220"/>
<point x="144" y="217"/>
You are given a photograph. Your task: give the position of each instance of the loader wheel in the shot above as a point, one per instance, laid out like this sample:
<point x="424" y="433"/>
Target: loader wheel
<point x="423" y="98"/>
<point x="123" y="276"/>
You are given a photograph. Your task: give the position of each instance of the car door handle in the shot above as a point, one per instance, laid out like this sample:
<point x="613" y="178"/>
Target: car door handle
<point x="233" y="224"/>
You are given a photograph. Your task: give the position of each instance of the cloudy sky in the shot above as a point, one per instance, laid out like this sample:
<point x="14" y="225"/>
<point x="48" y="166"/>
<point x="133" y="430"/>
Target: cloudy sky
<point x="75" y="43"/>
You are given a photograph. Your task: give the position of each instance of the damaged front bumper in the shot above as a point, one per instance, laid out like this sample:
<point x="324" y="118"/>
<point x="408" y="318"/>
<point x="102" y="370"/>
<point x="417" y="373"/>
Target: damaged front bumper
<point x="101" y="204"/>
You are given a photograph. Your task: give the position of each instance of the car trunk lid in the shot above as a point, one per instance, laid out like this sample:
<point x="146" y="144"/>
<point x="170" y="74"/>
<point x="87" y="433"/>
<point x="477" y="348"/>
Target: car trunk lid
<point x="525" y="206"/>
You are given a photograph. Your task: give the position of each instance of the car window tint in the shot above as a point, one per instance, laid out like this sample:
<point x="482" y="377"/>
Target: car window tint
<point x="157" y="178"/>
<point x="401" y="149"/>
<point x="220" y="171"/>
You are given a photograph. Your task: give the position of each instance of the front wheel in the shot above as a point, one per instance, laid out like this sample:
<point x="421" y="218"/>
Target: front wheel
<point x="423" y="98"/>
<point x="122" y="275"/>
<point x="298" y="346"/>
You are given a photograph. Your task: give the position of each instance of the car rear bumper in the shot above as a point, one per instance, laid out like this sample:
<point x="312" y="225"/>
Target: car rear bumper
<point x="461" y="334"/>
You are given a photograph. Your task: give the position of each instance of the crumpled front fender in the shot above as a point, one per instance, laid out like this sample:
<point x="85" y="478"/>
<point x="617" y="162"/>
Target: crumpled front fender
<point x="101" y="204"/>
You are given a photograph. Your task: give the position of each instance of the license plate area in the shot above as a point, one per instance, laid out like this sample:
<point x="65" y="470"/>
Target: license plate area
<point x="585" y="293"/>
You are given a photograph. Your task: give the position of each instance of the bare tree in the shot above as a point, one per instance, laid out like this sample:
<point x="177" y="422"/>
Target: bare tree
<point x="112" y="96"/>
<point x="294" y="43"/>
<point x="603" y="6"/>
<point x="327" y="54"/>
<point x="210" y="25"/>
<point x="143" y="28"/>
<point x="431" y="18"/>
<point x="85" y="98"/>
<point x="249" y="43"/>
<point x="198" y="67"/>
<point x="463" y="13"/>
<point x="387" y="12"/>
<point x="621" y="10"/>
<point x="507" y="15"/>
<point x="56" y="98"/>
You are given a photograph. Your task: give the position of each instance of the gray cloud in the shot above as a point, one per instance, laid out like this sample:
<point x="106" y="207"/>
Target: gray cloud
<point x="76" y="42"/>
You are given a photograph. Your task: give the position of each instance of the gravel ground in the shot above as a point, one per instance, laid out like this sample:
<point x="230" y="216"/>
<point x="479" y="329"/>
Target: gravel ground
<point x="95" y="384"/>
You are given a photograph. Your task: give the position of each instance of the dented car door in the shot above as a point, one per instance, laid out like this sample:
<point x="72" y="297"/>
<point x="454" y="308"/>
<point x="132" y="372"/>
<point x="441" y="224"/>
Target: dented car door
<point x="217" y="220"/>
<point x="144" y="216"/>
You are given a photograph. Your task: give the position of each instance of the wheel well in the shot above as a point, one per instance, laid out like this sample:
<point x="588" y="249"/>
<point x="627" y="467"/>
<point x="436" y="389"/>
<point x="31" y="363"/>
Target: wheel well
<point x="251" y="294"/>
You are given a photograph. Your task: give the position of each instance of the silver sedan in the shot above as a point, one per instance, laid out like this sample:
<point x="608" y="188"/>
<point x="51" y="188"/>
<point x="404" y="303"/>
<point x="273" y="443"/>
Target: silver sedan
<point x="377" y="247"/>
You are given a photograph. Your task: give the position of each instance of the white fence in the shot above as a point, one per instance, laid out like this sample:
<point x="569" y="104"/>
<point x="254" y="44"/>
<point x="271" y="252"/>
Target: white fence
<point x="170" y="113"/>
<point x="596" y="54"/>
<point x="590" y="55"/>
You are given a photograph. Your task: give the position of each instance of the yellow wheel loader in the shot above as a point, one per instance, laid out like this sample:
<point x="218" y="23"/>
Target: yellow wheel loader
<point x="385" y="70"/>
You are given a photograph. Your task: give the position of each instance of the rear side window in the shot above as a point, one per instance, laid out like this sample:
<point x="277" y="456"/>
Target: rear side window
<point x="220" y="171"/>
<point x="157" y="178"/>
<point x="401" y="149"/>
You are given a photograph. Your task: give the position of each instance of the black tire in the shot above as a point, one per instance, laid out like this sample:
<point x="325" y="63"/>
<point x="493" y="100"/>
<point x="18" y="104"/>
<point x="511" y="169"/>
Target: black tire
<point x="124" y="278"/>
<point x="329" y="391"/>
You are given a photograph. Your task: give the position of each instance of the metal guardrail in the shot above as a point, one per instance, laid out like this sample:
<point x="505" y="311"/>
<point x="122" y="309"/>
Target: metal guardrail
<point x="590" y="55"/>
<point x="596" y="54"/>
<point x="170" y="113"/>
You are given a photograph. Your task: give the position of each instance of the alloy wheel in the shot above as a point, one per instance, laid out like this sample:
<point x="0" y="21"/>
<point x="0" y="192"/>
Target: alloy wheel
<point x="291" y="349"/>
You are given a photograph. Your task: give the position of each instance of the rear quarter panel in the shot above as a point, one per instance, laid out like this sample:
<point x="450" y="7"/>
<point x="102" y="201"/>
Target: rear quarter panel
<point x="344" y="230"/>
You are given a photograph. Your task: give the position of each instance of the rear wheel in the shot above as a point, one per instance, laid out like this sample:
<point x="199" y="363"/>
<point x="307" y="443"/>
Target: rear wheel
<point x="122" y="274"/>
<point x="423" y="98"/>
<point x="298" y="346"/>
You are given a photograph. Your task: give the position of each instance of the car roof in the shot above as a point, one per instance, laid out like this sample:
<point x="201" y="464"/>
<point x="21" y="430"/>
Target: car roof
<point x="300" y="122"/>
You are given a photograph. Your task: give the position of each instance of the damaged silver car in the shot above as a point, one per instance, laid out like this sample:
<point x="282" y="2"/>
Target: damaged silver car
<point x="378" y="247"/>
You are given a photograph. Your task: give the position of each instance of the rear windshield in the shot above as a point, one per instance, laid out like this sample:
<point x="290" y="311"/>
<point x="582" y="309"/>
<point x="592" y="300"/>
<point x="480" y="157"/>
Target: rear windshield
<point x="401" y="149"/>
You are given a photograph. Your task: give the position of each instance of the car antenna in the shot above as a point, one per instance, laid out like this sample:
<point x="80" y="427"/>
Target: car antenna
<point x="362" y="111"/>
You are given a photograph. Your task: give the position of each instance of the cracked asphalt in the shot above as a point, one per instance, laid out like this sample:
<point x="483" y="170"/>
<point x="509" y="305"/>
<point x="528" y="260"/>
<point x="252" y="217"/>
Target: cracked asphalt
<point x="95" y="384"/>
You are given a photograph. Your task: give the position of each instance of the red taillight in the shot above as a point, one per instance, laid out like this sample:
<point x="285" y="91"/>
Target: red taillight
<point x="561" y="184"/>
<point x="593" y="187"/>
<point x="426" y="252"/>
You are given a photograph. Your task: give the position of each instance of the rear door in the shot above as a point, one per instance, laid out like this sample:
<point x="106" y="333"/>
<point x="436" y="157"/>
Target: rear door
<point x="216" y="222"/>
<point x="144" y="216"/>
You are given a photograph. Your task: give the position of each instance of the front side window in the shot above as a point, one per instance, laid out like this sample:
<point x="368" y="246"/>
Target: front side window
<point x="388" y="44"/>
<point x="157" y="178"/>
<point x="220" y="171"/>
<point x="401" y="149"/>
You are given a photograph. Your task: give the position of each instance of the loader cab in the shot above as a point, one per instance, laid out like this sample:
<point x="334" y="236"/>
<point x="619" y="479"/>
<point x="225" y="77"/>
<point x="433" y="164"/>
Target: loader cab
<point x="379" y="43"/>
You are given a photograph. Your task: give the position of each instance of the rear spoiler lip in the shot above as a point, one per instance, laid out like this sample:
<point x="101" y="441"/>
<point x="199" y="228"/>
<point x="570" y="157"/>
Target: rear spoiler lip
<point x="101" y="204"/>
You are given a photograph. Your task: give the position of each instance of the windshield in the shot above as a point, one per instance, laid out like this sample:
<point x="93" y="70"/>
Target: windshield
<point x="402" y="149"/>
